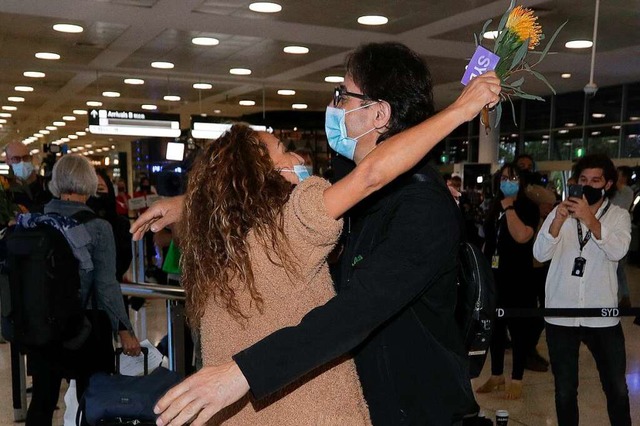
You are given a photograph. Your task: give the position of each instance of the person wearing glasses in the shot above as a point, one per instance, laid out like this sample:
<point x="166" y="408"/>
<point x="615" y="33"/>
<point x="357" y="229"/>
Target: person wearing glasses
<point x="509" y="230"/>
<point x="27" y="187"/>
<point x="270" y="321"/>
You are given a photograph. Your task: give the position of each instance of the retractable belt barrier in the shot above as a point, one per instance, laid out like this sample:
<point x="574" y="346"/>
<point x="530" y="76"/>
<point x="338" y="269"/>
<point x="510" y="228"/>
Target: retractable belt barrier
<point x="567" y="312"/>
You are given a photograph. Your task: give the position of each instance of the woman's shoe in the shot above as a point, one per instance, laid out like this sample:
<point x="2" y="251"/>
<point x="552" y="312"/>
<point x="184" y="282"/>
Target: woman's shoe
<point x="514" y="390"/>
<point x="493" y="383"/>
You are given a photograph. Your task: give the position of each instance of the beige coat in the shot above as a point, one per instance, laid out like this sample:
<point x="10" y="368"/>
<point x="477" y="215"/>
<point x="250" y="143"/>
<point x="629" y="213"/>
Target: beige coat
<point x="332" y="396"/>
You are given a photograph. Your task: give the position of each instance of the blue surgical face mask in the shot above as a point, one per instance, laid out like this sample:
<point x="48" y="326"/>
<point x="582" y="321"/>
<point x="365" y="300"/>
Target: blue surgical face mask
<point x="300" y="170"/>
<point x="336" y="130"/>
<point x="509" y="188"/>
<point x="22" y="169"/>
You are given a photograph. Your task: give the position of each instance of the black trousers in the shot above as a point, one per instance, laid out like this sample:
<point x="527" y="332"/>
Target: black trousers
<point x="50" y="364"/>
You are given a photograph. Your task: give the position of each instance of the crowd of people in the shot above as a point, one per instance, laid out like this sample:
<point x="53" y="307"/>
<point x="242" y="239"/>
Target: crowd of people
<point x="284" y="342"/>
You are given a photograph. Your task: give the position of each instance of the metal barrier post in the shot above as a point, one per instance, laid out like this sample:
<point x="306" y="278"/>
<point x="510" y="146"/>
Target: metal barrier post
<point x="140" y="326"/>
<point x="140" y="259"/>
<point x="19" y="385"/>
<point x="175" y="329"/>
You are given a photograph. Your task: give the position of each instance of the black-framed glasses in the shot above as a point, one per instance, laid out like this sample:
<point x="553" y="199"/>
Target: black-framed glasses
<point x="340" y="92"/>
<point x="18" y="158"/>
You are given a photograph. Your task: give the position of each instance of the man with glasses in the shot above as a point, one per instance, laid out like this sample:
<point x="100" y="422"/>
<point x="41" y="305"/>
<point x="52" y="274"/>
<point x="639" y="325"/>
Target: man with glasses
<point x="27" y="187"/>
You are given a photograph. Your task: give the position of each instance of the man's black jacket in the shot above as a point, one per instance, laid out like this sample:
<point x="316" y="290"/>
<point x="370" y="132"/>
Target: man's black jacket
<point x="394" y="311"/>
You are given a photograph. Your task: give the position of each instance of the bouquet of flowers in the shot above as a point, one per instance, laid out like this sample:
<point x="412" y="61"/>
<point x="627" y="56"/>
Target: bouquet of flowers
<point x="518" y="35"/>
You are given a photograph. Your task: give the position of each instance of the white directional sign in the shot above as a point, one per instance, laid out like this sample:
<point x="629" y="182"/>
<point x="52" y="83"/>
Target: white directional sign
<point x="130" y="123"/>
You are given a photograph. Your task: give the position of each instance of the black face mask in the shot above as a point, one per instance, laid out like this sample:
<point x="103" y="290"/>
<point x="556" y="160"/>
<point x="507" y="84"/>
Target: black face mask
<point x="593" y="195"/>
<point x="101" y="204"/>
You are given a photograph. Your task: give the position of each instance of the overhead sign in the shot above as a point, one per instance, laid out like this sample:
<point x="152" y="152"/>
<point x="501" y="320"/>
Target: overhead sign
<point x="130" y="123"/>
<point x="209" y="128"/>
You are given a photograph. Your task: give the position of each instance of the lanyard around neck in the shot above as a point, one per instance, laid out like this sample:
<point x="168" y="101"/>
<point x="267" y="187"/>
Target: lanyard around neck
<point x="587" y="237"/>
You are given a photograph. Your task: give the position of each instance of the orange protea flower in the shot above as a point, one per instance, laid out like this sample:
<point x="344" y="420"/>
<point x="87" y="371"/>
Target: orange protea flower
<point x="524" y="25"/>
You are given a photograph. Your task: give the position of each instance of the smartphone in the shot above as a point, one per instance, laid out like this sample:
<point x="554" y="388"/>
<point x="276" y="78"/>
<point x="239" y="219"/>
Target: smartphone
<point x="575" y="191"/>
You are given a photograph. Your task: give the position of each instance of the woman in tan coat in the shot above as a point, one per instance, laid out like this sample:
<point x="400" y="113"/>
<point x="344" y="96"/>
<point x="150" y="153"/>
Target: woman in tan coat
<point x="254" y="241"/>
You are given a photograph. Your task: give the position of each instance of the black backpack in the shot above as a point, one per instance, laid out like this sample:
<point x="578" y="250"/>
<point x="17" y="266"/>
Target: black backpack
<point x="44" y="284"/>
<point x="476" y="304"/>
<point x="476" y="297"/>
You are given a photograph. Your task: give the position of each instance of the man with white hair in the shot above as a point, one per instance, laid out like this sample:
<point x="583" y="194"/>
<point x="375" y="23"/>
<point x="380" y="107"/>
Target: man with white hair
<point x="27" y="186"/>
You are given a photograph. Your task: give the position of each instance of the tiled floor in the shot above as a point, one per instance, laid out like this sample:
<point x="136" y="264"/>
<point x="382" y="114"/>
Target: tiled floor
<point x="536" y="407"/>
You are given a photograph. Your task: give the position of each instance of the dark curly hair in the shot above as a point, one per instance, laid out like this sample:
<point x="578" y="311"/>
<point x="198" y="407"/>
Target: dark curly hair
<point x="394" y="73"/>
<point x="233" y="189"/>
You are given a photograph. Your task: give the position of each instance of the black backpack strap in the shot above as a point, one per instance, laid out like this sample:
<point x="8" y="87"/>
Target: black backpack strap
<point x="84" y="216"/>
<point x="422" y="177"/>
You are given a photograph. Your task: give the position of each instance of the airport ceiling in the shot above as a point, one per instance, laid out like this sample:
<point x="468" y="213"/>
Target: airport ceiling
<point x="122" y="37"/>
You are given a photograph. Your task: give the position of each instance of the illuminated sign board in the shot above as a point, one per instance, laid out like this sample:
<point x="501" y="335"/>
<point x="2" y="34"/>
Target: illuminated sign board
<point x="130" y="123"/>
<point x="207" y="128"/>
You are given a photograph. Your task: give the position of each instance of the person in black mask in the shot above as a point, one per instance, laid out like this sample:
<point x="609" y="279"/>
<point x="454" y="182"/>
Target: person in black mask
<point x="104" y="205"/>
<point x="584" y="256"/>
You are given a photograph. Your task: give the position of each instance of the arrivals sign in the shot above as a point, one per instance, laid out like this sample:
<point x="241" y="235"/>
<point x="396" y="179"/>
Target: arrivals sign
<point x="130" y="123"/>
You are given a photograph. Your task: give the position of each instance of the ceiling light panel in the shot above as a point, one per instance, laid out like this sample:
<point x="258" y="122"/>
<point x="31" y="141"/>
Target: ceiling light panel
<point x="68" y="28"/>
<point x="265" y="7"/>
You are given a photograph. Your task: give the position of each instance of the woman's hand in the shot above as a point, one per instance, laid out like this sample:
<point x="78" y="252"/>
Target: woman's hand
<point x="161" y="213"/>
<point x="482" y="91"/>
<point x="202" y="395"/>
<point x="129" y="342"/>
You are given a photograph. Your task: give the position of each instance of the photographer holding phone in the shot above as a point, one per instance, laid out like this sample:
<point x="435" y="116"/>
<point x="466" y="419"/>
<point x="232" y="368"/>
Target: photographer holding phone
<point x="584" y="256"/>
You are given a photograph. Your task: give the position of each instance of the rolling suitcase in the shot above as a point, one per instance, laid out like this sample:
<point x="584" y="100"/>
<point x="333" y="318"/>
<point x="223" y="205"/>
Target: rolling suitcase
<point x="124" y="400"/>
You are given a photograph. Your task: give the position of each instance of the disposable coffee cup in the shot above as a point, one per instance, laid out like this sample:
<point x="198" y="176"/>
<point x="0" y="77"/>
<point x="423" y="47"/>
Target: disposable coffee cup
<point x="502" y="418"/>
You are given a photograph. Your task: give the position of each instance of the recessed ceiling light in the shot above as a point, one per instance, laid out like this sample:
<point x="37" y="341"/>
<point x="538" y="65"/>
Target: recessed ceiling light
<point x="205" y="41"/>
<point x="149" y="107"/>
<point x="566" y="75"/>
<point x="334" y="79"/>
<point x="88" y="145"/>
<point x="59" y="123"/>
<point x="240" y="71"/>
<point x="286" y="92"/>
<point x="23" y="89"/>
<point x="296" y="50"/>
<point x="596" y="133"/>
<point x="34" y="74"/>
<point x="90" y="152"/>
<point x="38" y="135"/>
<point x="52" y="128"/>
<point x="299" y="106"/>
<point x="134" y="81"/>
<point x="265" y="7"/>
<point x="3" y="121"/>
<point x="111" y="94"/>
<point x="216" y="111"/>
<point x="545" y="136"/>
<point x="44" y="132"/>
<point x="68" y="28"/>
<point x="48" y="55"/>
<point x="81" y="133"/>
<point x="72" y="136"/>
<point x="69" y="118"/>
<point x="94" y="103"/>
<point x="5" y="114"/>
<point x="598" y="115"/>
<point x="578" y="44"/>
<point x="634" y="118"/>
<point x="616" y="127"/>
<point x="15" y="99"/>
<point x="171" y="98"/>
<point x="202" y="86"/>
<point x="247" y="103"/>
<point x="80" y="111"/>
<point x="9" y="108"/>
<point x="514" y="135"/>
<point x="162" y="65"/>
<point x="490" y="35"/>
<point x="373" y="20"/>
<point x="570" y="124"/>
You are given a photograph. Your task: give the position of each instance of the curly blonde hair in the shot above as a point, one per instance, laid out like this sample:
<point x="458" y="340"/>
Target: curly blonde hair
<point x="233" y="189"/>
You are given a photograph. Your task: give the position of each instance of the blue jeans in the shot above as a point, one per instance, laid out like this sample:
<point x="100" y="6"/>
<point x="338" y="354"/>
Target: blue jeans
<point x="607" y="347"/>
